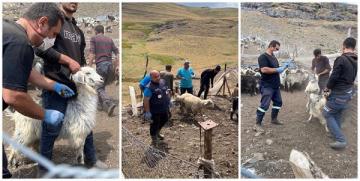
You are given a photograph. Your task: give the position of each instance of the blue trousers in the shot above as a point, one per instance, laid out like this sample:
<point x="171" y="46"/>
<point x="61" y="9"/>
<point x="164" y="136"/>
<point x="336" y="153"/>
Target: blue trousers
<point x="268" y="94"/>
<point x="51" y="100"/>
<point x="104" y="69"/>
<point x="335" y="105"/>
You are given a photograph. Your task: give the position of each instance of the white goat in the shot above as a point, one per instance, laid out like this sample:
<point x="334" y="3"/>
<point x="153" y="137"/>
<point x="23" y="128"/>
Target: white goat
<point x="78" y="122"/>
<point x="193" y="104"/>
<point x="315" y="102"/>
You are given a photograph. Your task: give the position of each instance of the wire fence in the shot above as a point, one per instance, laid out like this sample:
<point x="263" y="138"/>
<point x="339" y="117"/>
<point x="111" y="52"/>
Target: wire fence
<point x="62" y="170"/>
<point x="140" y="160"/>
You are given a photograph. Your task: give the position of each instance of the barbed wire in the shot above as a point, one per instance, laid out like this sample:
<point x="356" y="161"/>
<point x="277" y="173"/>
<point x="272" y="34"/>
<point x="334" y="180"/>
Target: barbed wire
<point x="140" y="160"/>
<point x="62" y="170"/>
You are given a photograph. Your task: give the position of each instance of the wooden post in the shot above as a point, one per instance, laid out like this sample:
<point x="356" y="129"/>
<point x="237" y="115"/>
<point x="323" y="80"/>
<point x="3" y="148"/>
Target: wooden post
<point x="208" y="127"/>
<point x="224" y="82"/>
<point x="133" y="101"/>
<point x="208" y="150"/>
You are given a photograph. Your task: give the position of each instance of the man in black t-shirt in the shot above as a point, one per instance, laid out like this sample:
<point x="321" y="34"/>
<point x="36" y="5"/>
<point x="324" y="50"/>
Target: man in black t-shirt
<point x="207" y="77"/>
<point x="269" y="85"/>
<point x="70" y="42"/>
<point x="321" y="66"/>
<point x="39" y="24"/>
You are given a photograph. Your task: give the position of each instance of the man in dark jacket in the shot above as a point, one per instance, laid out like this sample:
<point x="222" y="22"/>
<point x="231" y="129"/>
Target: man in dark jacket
<point x="340" y="88"/>
<point x="207" y="76"/>
<point x="71" y="42"/>
<point x="321" y="66"/>
<point x="156" y="105"/>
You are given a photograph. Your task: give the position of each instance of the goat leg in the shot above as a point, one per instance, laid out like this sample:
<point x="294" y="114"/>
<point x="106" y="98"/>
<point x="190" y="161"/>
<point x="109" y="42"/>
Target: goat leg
<point x="310" y="118"/>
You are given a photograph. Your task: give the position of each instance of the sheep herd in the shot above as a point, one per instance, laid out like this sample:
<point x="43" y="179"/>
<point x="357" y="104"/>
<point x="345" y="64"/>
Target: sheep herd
<point x="293" y="78"/>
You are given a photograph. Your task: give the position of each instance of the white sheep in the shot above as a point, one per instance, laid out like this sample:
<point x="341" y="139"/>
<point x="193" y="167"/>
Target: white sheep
<point x="312" y="87"/>
<point x="78" y="122"/>
<point x="193" y="104"/>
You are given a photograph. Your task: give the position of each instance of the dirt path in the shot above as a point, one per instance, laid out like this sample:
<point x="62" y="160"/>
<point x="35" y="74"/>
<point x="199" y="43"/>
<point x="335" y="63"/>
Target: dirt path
<point x="106" y="141"/>
<point x="296" y="134"/>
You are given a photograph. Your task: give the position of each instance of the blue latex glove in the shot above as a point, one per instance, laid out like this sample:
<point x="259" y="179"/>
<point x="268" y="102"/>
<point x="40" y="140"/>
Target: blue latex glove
<point x="53" y="117"/>
<point x="280" y="69"/>
<point x="63" y="90"/>
<point x="147" y="117"/>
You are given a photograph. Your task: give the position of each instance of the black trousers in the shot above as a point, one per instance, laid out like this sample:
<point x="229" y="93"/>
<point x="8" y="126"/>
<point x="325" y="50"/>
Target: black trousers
<point x="6" y="173"/>
<point x="159" y="120"/>
<point x="188" y="90"/>
<point x="204" y="87"/>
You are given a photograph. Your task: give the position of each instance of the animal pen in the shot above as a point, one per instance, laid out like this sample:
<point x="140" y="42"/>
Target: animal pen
<point x="141" y="160"/>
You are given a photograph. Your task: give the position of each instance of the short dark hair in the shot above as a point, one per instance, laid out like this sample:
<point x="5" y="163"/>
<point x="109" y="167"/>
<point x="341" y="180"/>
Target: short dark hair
<point x="99" y="29"/>
<point x="168" y="67"/>
<point x="273" y="43"/>
<point x="317" y="52"/>
<point x="50" y="10"/>
<point x="350" y="43"/>
<point x="218" y="67"/>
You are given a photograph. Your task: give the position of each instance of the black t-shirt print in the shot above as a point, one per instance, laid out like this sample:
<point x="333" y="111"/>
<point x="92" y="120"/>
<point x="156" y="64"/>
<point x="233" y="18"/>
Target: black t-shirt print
<point x="269" y="80"/>
<point x="18" y="56"/>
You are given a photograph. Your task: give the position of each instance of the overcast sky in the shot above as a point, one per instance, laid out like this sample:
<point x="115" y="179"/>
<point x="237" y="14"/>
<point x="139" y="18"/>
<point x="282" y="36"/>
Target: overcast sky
<point x="212" y="5"/>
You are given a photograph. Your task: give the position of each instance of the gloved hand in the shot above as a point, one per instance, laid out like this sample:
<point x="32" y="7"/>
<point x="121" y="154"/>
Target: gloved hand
<point x="63" y="90"/>
<point x="280" y="69"/>
<point x="53" y="117"/>
<point x="147" y="117"/>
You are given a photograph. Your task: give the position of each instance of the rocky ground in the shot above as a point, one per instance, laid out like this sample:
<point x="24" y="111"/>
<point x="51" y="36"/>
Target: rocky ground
<point x="182" y="140"/>
<point x="278" y="141"/>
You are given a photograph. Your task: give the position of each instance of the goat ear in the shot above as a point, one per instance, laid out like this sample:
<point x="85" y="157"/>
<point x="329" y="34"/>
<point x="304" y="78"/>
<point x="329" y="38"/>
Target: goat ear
<point x="79" y="77"/>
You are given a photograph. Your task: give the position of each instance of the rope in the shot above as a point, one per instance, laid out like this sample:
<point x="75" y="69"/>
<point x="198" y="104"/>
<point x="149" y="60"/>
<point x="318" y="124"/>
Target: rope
<point x="62" y="170"/>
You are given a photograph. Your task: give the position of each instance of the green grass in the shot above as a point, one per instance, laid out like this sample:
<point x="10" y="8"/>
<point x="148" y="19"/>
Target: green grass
<point x="144" y="27"/>
<point x="164" y="59"/>
<point x="126" y="45"/>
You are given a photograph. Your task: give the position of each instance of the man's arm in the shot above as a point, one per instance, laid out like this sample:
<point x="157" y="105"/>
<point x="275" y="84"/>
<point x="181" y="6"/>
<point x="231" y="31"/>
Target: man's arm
<point x="54" y="56"/>
<point x="41" y="81"/>
<point x="324" y="72"/>
<point x="313" y="65"/>
<point x="335" y="73"/>
<point x="23" y="103"/>
<point x="268" y="70"/>
<point x="147" y="104"/>
<point x="178" y="75"/>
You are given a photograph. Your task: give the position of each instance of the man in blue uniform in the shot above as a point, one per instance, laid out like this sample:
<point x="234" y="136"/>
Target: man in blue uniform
<point x="269" y="85"/>
<point x="340" y="87"/>
<point x="156" y="105"/>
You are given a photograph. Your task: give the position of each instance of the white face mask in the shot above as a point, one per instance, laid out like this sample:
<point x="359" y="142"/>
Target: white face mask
<point x="46" y="44"/>
<point x="276" y="53"/>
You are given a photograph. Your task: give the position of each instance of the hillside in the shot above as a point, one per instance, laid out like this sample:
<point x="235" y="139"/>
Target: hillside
<point x="169" y="33"/>
<point x="305" y="26"/>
